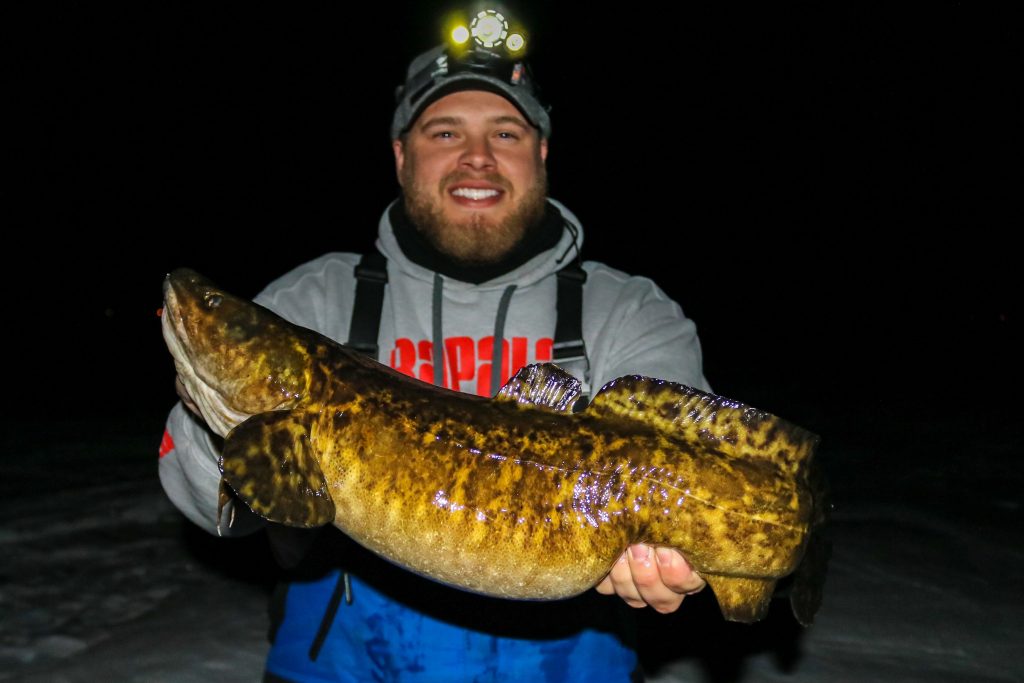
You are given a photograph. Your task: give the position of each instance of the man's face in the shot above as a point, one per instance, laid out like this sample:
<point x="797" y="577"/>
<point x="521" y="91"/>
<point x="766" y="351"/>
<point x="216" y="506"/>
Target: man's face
<point x="472" y="172"/>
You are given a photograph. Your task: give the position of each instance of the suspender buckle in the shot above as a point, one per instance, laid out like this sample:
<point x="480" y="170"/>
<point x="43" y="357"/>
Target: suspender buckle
<point x="566" y="351"/>
<point x="371" y="273"/>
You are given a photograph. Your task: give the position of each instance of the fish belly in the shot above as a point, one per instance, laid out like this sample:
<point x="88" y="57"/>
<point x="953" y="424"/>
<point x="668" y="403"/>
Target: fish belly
<point x="512" y="526"/>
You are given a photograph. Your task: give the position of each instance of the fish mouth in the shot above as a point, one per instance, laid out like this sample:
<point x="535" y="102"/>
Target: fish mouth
<point x="170" y="321"/>
<point x="212" y="403"/>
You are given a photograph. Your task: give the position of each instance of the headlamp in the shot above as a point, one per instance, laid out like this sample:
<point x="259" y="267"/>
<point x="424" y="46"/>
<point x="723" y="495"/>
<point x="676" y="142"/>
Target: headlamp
<point x="486" y="43"/>
<point x="485" y="51"/>
<point x="487" y="33"/>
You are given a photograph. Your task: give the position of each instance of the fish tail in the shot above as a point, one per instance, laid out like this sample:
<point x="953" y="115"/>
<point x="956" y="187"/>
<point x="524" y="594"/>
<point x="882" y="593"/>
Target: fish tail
<point x="808" y="581"/>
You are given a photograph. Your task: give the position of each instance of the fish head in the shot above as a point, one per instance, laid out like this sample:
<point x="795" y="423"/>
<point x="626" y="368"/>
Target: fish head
<point x="235" y="358"/>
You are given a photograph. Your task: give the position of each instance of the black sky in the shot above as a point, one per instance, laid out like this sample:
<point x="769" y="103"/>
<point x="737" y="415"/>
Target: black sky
<point x="838" y="178"/>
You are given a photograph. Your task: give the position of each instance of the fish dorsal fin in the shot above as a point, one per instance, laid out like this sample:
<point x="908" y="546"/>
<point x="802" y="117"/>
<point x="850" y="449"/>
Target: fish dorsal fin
<point x="542" y="385"/>
<point x="734" y="428"/>
<point x="267" y="460"/>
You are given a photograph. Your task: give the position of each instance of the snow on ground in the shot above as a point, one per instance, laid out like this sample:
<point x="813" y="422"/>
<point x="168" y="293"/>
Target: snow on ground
<point x="102" y="580"/>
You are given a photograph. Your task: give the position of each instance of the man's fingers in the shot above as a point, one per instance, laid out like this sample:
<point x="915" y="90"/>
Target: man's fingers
<point x="676" y="572"/>
<point x="643" y="563"/>
<point x="185" y="397"/>
<point x="620" y="582"/>
<point x="659" y="577"/>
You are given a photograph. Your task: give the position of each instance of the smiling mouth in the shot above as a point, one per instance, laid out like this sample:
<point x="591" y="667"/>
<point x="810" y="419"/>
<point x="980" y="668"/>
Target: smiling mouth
<point x="474" y="193"/>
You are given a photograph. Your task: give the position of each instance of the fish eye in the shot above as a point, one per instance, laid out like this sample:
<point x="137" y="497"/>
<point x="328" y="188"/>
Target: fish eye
<point x="213" y="299"/>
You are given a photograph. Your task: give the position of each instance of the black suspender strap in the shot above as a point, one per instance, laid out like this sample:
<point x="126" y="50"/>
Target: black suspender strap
<point x="568" y="344"/>
<point x="372" y="276"/>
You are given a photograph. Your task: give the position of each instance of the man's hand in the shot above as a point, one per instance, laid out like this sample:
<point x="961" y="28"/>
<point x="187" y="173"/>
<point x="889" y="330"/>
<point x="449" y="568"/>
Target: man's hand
<point x="659" y="577"/>
<point x="185" y="397"/>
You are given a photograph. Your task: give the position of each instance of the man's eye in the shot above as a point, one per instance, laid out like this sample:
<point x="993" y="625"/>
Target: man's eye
<point x="444" y="134"/>
<point x="508" y="135"/>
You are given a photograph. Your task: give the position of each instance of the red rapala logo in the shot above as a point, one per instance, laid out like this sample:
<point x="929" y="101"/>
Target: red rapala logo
<point x="466" y="359"/>
<point x="166" y="444"/>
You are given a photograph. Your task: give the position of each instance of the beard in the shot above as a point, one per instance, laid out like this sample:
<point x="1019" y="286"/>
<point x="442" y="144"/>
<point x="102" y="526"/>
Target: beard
<point x="475" y="240"/>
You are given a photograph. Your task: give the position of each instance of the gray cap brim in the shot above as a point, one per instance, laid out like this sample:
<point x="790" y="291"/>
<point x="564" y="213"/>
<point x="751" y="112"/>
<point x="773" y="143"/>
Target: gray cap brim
<point x="441" y="83"/>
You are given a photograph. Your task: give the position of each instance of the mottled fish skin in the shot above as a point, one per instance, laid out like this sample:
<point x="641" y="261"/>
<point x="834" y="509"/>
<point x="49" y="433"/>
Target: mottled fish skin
<point x="514" y="496"/>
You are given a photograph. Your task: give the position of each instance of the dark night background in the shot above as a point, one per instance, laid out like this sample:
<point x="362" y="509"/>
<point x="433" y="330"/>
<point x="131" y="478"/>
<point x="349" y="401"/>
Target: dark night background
<point x="825" y="191"/>
<point x="824" y="187"/>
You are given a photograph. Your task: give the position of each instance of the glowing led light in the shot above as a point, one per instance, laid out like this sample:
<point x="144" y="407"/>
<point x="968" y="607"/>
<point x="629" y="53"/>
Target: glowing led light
<point x="489" y="28"/>
<point x="515" y="42"/>
<point x="460" y="34"/>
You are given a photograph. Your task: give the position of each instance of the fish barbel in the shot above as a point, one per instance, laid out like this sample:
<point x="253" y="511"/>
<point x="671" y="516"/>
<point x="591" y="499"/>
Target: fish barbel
<point x="516" y="496"/>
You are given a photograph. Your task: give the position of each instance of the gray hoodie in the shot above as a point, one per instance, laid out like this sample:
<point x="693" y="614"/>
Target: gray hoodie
<point x="629" y="327"/>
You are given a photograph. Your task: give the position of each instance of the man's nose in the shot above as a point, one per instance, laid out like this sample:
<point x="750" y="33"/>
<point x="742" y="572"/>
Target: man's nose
<point x="477" y="153"/>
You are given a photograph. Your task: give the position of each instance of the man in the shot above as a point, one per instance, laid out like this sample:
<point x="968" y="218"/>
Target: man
<point x="473" y="252"/>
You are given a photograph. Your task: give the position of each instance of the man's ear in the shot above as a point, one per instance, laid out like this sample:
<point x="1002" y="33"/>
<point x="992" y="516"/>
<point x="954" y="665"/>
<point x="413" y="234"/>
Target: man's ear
<point x="399" y="150"/>
<point x="544" y="149"/>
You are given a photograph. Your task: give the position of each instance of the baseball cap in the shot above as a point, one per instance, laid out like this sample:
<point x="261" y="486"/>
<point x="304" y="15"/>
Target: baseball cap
<point x="440" y="71"/>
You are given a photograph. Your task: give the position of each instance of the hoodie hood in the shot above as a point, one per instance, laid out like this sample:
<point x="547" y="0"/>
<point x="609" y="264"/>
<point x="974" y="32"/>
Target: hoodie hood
<point x="536" y="268"/>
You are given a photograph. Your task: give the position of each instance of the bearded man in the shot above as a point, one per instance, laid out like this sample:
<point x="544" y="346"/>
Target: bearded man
<point x="483" y="275"/>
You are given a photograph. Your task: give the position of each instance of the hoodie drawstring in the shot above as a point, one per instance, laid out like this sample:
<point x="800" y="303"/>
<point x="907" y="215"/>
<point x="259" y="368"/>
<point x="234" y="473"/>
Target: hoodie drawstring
<point x="498" y="352"/>
<point x="436" y="331"/>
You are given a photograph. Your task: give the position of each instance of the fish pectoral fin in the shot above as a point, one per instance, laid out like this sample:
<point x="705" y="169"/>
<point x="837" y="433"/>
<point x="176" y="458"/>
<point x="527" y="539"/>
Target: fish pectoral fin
<point x="269" y="463"/>
<point x="740" y="598"/>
